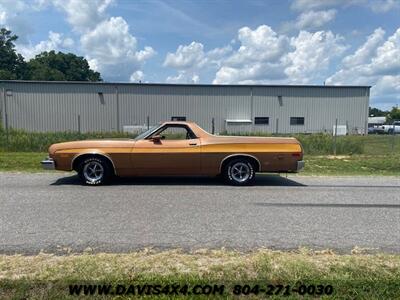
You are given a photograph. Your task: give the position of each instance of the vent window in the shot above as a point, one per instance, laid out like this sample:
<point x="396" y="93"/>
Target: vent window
<point x="297" y="121"/>
<point x="261" y="120"/>
<point x="178" y="118"/>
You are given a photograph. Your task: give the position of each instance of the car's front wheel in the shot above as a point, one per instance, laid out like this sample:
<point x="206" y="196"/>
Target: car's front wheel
<point x="239" y="172"/>
<point x="94" y="171"/>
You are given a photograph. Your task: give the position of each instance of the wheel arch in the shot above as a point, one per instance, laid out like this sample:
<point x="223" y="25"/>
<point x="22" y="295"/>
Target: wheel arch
<point x="79" y="157"/>
<point x="253" y="159"/>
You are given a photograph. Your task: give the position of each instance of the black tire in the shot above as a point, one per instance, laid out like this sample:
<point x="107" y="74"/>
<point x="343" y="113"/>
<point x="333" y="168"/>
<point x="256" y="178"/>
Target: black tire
<point x="95" y="171"/>
<point x="233" y="176"/>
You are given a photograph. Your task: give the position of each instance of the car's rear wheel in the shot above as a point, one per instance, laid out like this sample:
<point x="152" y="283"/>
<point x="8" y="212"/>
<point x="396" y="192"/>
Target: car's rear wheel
<point x="239" y="172"/>
<point x="94" y="171"/>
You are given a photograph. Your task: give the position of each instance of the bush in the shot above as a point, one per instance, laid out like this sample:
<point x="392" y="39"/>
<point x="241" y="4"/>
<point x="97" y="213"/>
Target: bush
<point x="320" y="144"/>
<point x="23" y="141"/>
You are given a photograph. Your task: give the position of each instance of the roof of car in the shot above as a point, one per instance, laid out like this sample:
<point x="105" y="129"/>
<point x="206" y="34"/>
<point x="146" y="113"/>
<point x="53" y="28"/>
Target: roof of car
<point x="178" y="122"/>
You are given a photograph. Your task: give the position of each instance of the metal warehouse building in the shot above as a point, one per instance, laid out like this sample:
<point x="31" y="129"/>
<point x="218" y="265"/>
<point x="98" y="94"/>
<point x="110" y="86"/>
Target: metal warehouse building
<point x="87" y="106"/>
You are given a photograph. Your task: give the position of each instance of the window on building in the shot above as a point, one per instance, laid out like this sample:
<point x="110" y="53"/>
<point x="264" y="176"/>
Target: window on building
<point x="178" y="118"/>
<point x="261" y="120"/>
<point x="296" y="120"/>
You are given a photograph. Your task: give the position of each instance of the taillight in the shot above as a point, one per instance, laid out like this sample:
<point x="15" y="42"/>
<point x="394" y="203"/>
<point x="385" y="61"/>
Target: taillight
<point x="297" y="154"/>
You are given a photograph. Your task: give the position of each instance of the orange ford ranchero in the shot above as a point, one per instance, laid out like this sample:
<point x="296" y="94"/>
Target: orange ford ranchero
<point x="177" y="149"/>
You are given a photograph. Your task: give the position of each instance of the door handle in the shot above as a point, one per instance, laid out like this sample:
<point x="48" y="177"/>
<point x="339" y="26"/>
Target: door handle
<point x="192" y="144"/>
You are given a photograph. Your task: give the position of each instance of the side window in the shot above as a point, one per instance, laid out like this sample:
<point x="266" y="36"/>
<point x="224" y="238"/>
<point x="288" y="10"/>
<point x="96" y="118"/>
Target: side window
<point x="175" y="133"/>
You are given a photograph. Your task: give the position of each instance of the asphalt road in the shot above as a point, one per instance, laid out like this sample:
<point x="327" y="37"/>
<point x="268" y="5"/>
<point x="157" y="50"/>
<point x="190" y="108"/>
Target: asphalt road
<point x="54" y="213"/>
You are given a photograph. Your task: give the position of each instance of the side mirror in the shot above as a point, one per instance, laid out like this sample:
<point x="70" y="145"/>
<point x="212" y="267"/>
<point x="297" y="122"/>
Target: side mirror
<point x="156" y="138"/>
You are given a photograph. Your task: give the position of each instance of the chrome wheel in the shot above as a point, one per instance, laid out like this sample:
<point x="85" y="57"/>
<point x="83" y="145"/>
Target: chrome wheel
<point x="93" y="171"/>
<point x="240" y="172"/>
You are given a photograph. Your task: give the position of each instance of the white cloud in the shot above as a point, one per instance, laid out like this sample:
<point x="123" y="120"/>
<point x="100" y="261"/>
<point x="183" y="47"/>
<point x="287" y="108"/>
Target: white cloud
<point x="377" y="6"/>
<point x="184" y="77"/>
<point x="55" y="41"/>
<point x="303" y="5"/>
<point x="315" y="19"/>
<point x="364" y="53"/>
<point x="384" y="5"/>
<point x="93" y="63"/>
<point x="312" y="54"/>
<point x="266" y="57"/>
<point x="388" y="85"/>
<point x="68" y="43"/>
<point x="188" y="56"/>
<point x="83" y="15"/>
<point x="190" y="60"/>
<point x="12" y="7"/>
<point x="145" y="54"/>
<point x="260" y="44"/>
<point x="376" y="63"/>
<point x="11" y="18"/>
<point x="110" y="47"/>
<point x="3" y="17"/>
<point x="105" y="41"/>
<point x="387" y="59"/>
<point x="137" y="76"/>
<point x="254" y="73"/>
<point x="257" y="58"/>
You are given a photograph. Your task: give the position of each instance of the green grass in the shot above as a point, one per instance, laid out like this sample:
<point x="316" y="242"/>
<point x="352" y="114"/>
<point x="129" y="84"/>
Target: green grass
<point x="23" y="141"/>
<point x="352" y="165"/>
<point x="21" y="161"/>
<point x="315" y="165"/>
<point x="352" y="276"/>
<point x="381" y="144"/>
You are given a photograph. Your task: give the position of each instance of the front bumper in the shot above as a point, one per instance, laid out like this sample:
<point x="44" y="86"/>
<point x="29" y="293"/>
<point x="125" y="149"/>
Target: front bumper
<point x="300" y="165"/>
<point x="48" y="164"/>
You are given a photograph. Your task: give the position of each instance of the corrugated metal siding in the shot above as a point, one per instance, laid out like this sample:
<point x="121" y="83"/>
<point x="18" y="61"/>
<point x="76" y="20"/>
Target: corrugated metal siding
<point x="56" y="106"/>
<point x="195" y="103"/>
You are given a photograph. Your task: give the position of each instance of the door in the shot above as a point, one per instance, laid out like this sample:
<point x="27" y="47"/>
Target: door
<point x="171" y="150"/>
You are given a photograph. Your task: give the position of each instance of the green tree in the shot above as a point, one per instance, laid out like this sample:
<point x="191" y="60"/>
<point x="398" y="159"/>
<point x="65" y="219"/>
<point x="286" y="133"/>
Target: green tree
<point x="376" y="112"/>
<point x="12" y="64"/>
<point x="394" y="114"/>
<point x="61" y="66"/>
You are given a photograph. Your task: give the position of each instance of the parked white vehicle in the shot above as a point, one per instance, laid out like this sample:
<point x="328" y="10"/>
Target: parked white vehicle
<point x="389" y="128"/>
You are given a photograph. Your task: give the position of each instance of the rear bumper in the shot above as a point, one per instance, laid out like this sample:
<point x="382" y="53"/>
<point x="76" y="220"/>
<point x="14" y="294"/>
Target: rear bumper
<point x="300" y="165"/>
<point x="48" y="164"/>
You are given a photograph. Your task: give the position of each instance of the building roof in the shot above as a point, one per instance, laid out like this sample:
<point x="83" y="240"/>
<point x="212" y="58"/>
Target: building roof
<point x="376" y="120"/>
<point x="185" y="84"/>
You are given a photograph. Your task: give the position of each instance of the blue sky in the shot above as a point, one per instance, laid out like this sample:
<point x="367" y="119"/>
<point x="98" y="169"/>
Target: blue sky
<point x="350" y="42"/>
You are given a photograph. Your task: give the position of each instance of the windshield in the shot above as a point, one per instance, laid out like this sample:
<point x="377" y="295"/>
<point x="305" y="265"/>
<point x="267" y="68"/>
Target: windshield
<point x="148" y="131"/>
